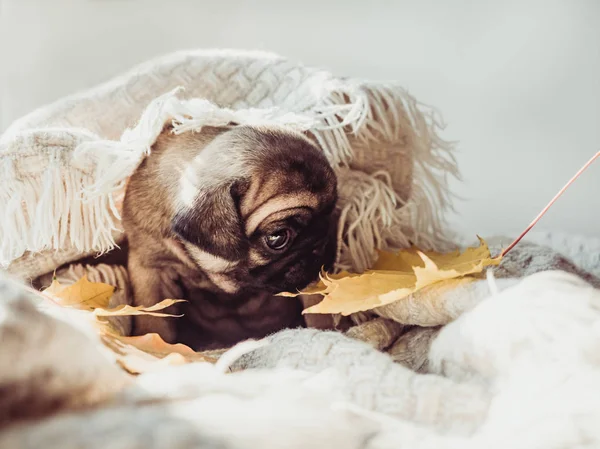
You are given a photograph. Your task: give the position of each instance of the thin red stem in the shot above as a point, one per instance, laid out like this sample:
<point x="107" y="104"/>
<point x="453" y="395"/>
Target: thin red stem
<point x="541" y="214"/>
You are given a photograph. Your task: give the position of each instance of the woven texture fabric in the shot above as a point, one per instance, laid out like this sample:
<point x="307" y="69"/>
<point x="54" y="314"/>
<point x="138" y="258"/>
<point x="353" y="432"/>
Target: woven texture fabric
<point x="516" y="368"/>
<point x="64" y="166"/>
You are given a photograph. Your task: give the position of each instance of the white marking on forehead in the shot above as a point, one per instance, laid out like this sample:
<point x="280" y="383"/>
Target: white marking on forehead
<point x="209" y="262"/>
<point x="279" y="203"/>
<point x="188" y="186"/>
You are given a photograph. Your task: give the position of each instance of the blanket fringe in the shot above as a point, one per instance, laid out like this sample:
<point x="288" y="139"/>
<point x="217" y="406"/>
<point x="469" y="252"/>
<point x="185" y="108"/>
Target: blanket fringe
<point x="44" y="209"/>
<point x="375" y="217"/>
<point x="370" y="205"/>
<point x="434" y="162"/>
<point x="116" y="160"/>
<point x="50" y="212"/>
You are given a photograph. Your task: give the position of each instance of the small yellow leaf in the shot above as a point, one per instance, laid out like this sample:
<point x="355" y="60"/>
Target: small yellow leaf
<point x="125" y="309"/>
<point x="83" y="294"/>
<point x="155" y="345"/>
<point x="139" y="362"/>
<point x="149" y="352"/>
<point x="364" y="292"/>
<point x="403" y="260"/>
<point x="137" y="354"/>
<point x="397" y="276"/>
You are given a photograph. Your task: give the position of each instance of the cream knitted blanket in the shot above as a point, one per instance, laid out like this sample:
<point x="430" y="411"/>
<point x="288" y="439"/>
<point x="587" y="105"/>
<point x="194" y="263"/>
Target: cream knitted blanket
<point x="63" y="167"/>
<point x="518" y="368"/>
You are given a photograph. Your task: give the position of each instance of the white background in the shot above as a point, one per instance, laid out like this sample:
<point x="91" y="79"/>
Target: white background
<point x="518" y="82"/>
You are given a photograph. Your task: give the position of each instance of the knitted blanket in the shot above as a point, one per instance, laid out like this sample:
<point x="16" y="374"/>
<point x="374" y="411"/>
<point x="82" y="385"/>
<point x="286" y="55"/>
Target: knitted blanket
<point x="504" y="363"/>
<point x="64" y="167"/>
<point x="518" y="368"/>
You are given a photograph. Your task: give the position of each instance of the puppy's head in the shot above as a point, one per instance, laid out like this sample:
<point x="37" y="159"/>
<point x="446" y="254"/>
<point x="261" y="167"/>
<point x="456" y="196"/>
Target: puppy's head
<point x="257" y="209"/>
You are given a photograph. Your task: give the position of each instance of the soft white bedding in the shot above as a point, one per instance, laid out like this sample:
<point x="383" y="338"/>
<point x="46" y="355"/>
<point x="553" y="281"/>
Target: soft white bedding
<point x="517" y="366"/>
<point x="519" y="369"/>
<point x="584" y="251"/>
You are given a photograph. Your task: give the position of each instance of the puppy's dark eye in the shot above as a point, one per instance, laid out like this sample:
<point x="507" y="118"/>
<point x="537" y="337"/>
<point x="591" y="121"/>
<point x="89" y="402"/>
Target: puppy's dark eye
<point x="278" y="240"/>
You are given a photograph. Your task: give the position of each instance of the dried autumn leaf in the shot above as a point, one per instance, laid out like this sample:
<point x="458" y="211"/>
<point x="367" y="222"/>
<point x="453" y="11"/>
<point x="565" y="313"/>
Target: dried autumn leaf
<point x="135" y="361"/>
<point x="155" y="345"/>
<point x="453" y="265"/>
<point x="364" y="292"/>
<point x="125" y="309"/>
<point x="397" y="276"/>
<point x="135" y="354"/>
<point x="83" y="294"/>
<point x="150" y="352"/>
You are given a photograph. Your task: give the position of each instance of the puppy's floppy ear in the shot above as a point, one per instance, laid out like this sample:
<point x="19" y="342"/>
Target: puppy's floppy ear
<point x="214" y="224"/>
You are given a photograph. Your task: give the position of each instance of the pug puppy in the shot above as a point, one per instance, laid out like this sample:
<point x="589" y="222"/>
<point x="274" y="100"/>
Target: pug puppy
<point x="225" y="219"/>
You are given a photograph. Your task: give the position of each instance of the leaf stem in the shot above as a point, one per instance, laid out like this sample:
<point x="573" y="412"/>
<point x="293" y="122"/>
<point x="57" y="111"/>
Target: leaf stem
<point x="541" y="214"/>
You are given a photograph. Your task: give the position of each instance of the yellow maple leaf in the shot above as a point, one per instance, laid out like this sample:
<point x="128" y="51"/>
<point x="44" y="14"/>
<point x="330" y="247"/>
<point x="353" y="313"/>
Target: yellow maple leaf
<point x="149" y="352"/>
<point x="136" y="354"/>
<point x="155" y="345"/>
<point x="396" y="276"/>
<point x="83" y="294"/>
<point x="125" y="309"/>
